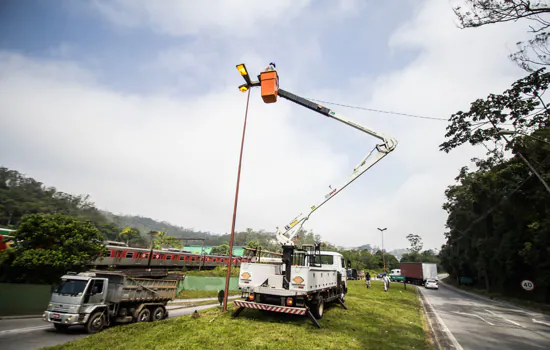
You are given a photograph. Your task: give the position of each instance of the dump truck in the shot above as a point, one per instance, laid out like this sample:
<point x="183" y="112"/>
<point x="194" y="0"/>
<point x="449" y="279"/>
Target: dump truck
<point x="97" y="299"/>
<point x="418" y="272"/>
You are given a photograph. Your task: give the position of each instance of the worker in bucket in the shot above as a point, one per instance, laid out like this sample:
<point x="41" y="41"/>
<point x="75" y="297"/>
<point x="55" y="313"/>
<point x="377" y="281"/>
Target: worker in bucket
<point x="270" y="67"/>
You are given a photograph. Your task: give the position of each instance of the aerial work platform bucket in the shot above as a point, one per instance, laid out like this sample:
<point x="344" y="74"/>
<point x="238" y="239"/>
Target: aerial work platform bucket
<point x="270" y="86"/>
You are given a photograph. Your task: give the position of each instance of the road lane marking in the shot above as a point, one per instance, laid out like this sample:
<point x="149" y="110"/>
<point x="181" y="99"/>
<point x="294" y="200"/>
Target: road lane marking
<point x="463" y="313"/>
<point x="443" y="325"/>
<point x="540" y="322"/>
<point x="23" y="330"/>
<point x="512" y="322"/>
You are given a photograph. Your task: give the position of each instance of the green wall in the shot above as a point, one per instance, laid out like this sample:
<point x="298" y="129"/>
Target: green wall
<point x="209" y="283"/>
<point x="24" y="299"/>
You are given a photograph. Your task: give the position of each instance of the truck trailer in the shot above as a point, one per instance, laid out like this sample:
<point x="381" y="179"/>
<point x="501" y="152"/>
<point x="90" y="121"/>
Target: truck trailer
<point x="97" y="299"/>
<point x="418" y="272"/>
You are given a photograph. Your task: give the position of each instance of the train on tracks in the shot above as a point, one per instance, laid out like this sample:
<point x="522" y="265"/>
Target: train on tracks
<point x="121" y="256"/>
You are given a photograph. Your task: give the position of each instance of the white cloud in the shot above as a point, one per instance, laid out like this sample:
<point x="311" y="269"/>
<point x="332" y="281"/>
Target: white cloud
<point x="175" y="158"/>
<point x="177" y="18"/>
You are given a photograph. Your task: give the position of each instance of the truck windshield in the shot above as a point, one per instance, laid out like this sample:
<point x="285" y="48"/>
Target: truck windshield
<point x="71" y="287"/>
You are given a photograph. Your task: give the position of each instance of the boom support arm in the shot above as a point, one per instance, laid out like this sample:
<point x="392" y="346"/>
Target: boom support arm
<point x="388" y="144"/>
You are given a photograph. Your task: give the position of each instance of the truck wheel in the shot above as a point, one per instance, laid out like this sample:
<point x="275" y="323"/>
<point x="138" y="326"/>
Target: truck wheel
<point x="318" y="308"/>
<point x="144" y="315"/>
<point x="158" y="314"/>
<point x="95" y="323"/>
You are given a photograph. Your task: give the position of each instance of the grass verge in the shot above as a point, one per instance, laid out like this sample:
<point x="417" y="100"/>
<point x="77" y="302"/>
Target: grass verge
<point x="526" y="304"/>
<point x="194" y="294"/>
<point x="375" y="320"/>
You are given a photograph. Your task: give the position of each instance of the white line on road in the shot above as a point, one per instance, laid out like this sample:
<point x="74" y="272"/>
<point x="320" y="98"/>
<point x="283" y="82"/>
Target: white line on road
<point x="512" y="322"/>
<point x="23" y="330"/>
<point x="463" y="313"/>
<point x="544" y="323"/>
<point x="443" y="325"/>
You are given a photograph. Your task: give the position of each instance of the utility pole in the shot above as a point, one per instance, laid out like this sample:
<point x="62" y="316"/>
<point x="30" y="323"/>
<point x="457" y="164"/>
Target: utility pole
<point x="383" y="259"/>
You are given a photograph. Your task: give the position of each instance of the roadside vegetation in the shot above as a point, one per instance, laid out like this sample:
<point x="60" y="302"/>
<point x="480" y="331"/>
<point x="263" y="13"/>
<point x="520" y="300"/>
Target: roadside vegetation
<point x="375" y="319"/>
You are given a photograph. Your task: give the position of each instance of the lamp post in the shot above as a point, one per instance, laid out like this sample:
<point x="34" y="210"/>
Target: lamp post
<point x="539" y="176"/>
<point x="243" y="88"/>
<point x="383" y="259"/>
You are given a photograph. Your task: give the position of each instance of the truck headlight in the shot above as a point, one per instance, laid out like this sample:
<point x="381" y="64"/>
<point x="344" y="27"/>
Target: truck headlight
<point x="50" y="306"/>
<point x="73" y="309"/>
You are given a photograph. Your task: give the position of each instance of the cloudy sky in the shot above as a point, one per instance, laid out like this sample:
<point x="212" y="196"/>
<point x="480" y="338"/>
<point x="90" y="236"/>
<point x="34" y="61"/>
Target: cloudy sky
<point x="136" y="103"/>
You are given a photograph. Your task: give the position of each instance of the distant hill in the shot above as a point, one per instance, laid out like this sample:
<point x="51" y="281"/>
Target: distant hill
<point x="398" y="253"/>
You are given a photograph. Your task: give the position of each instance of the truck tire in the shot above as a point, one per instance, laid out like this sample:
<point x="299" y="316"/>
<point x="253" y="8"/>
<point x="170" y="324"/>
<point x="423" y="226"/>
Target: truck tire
<point x="158" y="314"/>
<point x="144" y="315"/>
<point x="318" y="308"/>
<point x="95" y="323"/>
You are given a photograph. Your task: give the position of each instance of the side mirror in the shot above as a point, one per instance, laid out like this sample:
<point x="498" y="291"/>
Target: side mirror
<point x="54" y="287"/>
<point x="349" y="264"/>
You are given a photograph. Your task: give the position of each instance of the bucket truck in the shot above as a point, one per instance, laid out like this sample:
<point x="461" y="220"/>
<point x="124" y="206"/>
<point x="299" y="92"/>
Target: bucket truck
<point x="303" y="280"/>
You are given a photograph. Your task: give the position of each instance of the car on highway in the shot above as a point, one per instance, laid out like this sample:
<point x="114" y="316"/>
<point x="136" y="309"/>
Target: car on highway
<point x="431" y="284"/>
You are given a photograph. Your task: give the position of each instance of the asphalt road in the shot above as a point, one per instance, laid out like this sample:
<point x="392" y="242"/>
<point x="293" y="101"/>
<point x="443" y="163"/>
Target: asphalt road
<point x="33" y="333"/>
<point x="479" y="323"/>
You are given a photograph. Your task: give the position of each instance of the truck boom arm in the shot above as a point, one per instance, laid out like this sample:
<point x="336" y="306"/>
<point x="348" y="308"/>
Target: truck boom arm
<point x="388" y="144"/>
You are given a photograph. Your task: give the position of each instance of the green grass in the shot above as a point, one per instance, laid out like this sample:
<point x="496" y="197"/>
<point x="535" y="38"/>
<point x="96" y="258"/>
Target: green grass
<point x="375" y="320"/>
<point x="194" y="294"/>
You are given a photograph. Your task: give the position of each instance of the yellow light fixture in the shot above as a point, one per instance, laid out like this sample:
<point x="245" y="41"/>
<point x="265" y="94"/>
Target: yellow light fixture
<point x="242" y="69"/>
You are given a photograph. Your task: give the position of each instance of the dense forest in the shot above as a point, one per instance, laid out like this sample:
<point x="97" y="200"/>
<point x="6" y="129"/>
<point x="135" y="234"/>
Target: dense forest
<point x="21" y="195"/>
<point x="498" y="213"/>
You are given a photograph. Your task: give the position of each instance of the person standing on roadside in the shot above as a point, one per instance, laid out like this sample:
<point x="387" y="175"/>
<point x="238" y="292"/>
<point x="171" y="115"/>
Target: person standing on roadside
<point x="386" y="281"/>
<point x="368" y="279"/>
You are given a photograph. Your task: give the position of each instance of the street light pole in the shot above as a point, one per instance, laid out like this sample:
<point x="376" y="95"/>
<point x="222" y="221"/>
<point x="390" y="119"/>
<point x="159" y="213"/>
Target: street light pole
<point x="383" y="259"/>
<point x="539" y="176"/>
<point x="227" y="277"/>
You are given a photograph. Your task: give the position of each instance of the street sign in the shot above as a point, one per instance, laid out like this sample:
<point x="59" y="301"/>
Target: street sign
<point x="527" y="285"/>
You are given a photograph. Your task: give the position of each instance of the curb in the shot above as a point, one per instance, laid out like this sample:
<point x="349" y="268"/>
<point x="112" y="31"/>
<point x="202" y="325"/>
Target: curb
<point x="441" y="335"/>
<point x="19" y="317"/>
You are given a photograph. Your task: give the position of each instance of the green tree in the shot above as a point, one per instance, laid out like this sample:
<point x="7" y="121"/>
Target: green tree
<point x="521" y="106"/>
<point x="222" y="249"/>
<point x="533" y="53"/>
<point x="162" y="240"/>
<point x="416" y="243"/>
<point x="48" y="245"/>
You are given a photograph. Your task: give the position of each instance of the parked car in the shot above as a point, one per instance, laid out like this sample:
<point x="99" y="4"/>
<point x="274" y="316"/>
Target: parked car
<point x="431" y="284"/>
<point x="380" y="275"/>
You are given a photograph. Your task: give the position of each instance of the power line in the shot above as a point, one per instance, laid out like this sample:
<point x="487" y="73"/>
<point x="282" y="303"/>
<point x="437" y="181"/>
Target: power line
<point x="377" y="110"/>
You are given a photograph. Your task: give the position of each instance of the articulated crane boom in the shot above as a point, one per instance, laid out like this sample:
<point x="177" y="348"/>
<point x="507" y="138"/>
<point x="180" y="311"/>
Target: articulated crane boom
<point x="388" y="144"/>
<point x="269" y="82"/>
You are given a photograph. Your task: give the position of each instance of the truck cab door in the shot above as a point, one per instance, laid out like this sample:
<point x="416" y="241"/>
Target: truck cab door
<point x="97" y="291"/>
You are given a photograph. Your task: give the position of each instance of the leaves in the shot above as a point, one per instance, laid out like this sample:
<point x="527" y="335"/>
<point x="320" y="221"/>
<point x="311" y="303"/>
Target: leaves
<point x="521" y="106"/>
<point x="498" y="221"/>
<point x="48" y="245"/>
